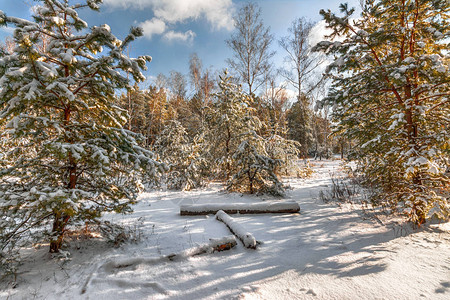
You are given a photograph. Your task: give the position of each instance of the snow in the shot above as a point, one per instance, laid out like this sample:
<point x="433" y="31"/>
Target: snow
<point x="440" y="69"/>
<point x="68" y="56"/>
<point x="120" y="263"/>
<point x="17" y="72"/>
<point x="402" y="69"/>
<point x="58" y="21"/>
<point x="327" y="251"/>
<point x="421" y="44"/>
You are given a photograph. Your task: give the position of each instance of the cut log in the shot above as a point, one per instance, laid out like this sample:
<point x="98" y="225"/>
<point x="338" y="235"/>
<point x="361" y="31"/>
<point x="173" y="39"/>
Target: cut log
<point x="241" y="208"/>
<point x="246" y="238"/>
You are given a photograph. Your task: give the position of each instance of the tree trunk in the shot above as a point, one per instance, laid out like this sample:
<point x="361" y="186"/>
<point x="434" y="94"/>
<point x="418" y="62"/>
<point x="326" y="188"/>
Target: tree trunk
<point x="61" y="220"/>
<point x="411" y="129"/>
<point x="250" y="178"/>
<point x="59" y="225"/>
<point x="228" y="150"/>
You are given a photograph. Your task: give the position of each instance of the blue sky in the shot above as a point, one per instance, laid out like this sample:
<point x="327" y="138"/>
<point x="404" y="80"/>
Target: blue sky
<point x="174" y="29"/>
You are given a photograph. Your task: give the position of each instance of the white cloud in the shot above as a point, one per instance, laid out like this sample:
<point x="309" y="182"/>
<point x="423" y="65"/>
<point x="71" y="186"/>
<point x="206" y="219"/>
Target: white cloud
<point x="290" y="94"/>
<point x="153" y="26"/>
<point x="282" y="91"/>
<point x="217" y="12"/>
<point x="7" y="30"/>
<point x="187" y="36"/>
<point x="318" y="33"/>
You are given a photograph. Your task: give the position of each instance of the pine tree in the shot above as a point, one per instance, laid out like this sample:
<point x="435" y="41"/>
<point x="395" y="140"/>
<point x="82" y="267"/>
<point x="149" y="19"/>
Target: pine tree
<point x="254" y="169"/>
<point x="66" y="157"/>
<point x="390" y="96"/>
<point x="300" y="120"/>
<point x="185" y="158"/>
<point x="227" y="118"/>
<point x="238" y="148"/>
<point x="285" y="151"/>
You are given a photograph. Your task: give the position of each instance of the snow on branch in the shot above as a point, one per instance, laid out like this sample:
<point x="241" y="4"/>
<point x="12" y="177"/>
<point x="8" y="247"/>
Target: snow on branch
<point x="241" y="208"/>
<point x="246" y="238"/>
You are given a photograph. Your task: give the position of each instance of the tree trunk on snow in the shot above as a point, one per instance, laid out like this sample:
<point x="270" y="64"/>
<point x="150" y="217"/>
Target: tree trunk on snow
<point x="61" y="219"/>
<point x="59" y="225"/>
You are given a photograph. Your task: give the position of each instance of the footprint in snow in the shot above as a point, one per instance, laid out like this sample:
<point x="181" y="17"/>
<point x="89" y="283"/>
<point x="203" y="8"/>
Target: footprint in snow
<point x="249" y="289"/>
<point x="311" y="292"/>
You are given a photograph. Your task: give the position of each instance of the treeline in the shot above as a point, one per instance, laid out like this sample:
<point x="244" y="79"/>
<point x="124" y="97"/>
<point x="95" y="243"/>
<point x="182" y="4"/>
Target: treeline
<point x="180" y="98"/>
<point x="200" y="137"/>
<point x="247" y="125"/>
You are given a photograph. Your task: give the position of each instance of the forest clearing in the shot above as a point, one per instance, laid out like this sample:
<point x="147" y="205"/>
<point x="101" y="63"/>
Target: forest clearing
<point x="258" y="153"/>
<point x="327" y="251"/>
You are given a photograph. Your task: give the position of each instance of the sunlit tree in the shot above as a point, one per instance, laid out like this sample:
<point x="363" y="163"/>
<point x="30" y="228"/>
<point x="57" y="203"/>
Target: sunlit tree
<point x="391" y="96"/>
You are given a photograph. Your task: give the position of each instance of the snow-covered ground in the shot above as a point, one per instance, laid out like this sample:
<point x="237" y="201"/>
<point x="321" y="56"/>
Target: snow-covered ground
<point x="325" y="252"/>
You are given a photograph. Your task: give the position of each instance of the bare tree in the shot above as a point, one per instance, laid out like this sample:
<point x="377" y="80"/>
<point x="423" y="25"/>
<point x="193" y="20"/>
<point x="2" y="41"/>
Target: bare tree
<point x="251" y="46"/>
<point x="207" y="85"/>
<point x="7" y="47"/>
<point x="195" y="71"/>
<point x="301" y="64"/>
<point x="301" y="70"/>
<point x="203" y="85"/>
<point x="177" y="83"/>
<point x="161" y="81"/>
<point x="277" y="98"/>
<point x="201" y="79"/>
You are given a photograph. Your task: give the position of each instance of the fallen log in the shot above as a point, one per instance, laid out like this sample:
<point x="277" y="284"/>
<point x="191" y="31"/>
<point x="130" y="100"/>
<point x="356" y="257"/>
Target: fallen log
<point x="214" y="245"/>
<point x="246" y="238"/>
<point x="239" y="208"/>
<point x="110" y="266"/>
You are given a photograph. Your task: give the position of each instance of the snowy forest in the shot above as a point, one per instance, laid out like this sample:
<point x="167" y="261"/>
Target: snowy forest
<point x="350" y="135"/>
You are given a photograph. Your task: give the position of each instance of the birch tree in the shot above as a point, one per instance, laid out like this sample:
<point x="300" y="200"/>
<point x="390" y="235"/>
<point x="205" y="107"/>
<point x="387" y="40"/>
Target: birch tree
<point x="251" y="47"/>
